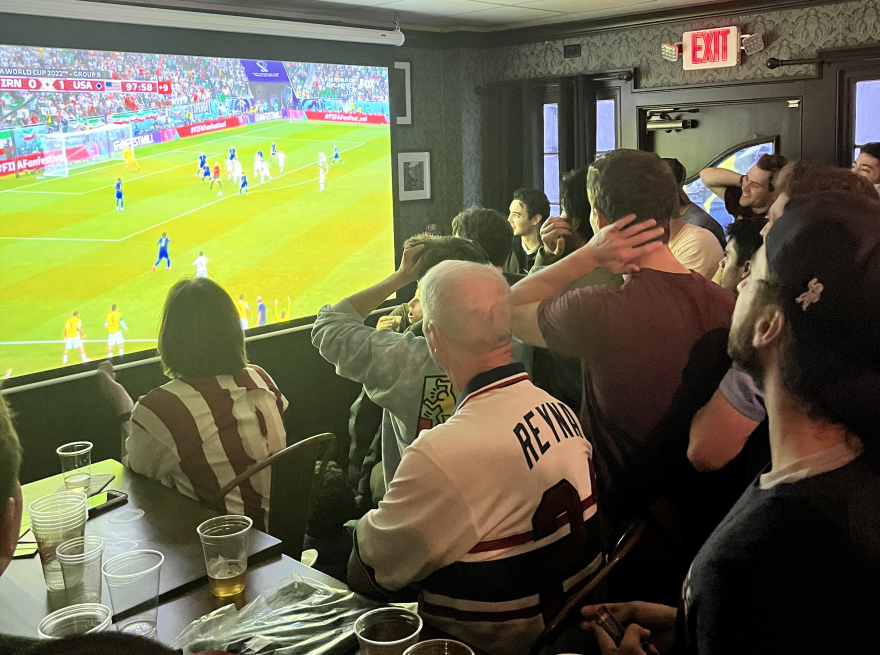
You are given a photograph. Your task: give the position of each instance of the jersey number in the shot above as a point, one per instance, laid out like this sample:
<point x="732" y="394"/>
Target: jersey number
<point x="559" y="500"/>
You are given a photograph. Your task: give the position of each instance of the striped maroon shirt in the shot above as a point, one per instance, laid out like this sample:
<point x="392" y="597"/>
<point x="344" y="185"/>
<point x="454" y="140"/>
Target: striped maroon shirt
<point x="196" y="436"/>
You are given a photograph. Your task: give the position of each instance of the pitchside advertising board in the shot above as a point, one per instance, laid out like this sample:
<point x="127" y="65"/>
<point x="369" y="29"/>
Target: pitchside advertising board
<point x="167" y="97"/>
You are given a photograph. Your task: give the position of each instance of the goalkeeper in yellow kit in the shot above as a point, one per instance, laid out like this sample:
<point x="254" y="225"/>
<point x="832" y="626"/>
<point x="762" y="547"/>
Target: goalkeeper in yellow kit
<point x="128" y="156"/>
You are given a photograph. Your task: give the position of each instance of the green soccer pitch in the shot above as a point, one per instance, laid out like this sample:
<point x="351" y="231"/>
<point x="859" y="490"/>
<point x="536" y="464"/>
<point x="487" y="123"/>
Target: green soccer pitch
<point x="64" y="247"/>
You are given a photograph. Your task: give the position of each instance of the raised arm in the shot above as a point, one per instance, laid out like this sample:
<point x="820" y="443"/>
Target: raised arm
<point x="615" y="247"/>
<point x="718" y="179"/>
<point x="369" y="299"/>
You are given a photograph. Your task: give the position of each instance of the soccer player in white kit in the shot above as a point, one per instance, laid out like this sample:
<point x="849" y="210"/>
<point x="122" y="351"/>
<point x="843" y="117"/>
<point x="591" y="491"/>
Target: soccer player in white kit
<point x="229" y="169"/>
<point x="258" y="163"/>
<point x="281" y="157"/>
<point x="264" y="172"/>
<point x="236" y="171"/>
<point x="323" y="168"/>
<point x="201" y="264"/>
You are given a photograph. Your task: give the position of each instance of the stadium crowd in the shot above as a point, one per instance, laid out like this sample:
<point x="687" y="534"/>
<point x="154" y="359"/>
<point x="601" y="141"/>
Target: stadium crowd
<point x="559" y="381"/>
<point x="193" y="79"/>
<point x="346" y="83"/>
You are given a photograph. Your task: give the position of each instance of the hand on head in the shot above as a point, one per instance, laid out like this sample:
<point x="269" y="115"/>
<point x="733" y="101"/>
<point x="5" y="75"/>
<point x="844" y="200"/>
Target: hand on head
<point x="409" y="268"/>
<point x="620" y="245"/>
<point x="553" y="234"/>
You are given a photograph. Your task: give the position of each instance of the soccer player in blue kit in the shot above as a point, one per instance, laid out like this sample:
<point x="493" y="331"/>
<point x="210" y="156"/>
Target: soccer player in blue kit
<point x="206" y="173"/>
<point x="244" y="185"/>
<point x="336" y="157"/>
<point x="119" y="195"/>
<point x="163" y="242"/>
<point x="203" y="159"/>
<point x="272" y="151"/>
<point x="231" y="153"/>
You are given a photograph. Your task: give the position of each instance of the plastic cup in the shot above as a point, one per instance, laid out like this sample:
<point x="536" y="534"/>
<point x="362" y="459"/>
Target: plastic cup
<point x="75" y="620"/>
<point x="387" y="631"/>
<point x="76" y="465"/>
<point x="439" y="647"/>
<point x="55" y="519"/>
<point x="80" y="561"/>
<point x="225" y="544"/>
<point x="133" y="581"/>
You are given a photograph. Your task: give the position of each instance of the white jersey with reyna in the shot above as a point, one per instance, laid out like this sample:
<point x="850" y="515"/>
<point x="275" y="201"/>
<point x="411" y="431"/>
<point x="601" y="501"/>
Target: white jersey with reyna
<point x="476" y="509"/>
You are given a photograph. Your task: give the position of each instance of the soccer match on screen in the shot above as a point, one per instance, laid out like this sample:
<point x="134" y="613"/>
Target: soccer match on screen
<point x="120" y="173"/>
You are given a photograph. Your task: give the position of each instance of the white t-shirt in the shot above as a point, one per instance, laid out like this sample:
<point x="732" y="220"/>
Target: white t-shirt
<point x="201" y="264"/>
<point x="458" y="516"/>
<point x="697" y="248"/>
<point x="281" y="159"/>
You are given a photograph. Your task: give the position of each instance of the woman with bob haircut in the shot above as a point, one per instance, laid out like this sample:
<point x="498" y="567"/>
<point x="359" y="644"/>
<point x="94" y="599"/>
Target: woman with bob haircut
<point x="217" y="416"/>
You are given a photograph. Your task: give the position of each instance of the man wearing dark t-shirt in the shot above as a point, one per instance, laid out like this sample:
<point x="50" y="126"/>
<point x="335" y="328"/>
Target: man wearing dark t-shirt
<point x="795" y="566"/>
<point x="528" y="211"/>
<point x="634" y="342"/>
<point x="749" y="195"/>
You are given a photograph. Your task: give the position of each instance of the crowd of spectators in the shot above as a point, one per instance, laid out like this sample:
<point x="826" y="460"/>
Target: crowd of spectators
<point x="193" y="79"/>
<point x="339" y="81"/>
<point x="496" y="488"/>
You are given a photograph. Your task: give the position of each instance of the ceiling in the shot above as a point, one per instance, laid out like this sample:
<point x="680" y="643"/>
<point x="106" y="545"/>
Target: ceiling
<point x="432" y="15"/>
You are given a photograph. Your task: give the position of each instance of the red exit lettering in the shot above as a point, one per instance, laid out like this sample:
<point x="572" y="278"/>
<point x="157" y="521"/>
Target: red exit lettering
<point x="709" y="47"/>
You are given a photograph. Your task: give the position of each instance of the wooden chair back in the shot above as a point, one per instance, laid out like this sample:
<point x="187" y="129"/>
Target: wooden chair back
<point x="294" y="483"/>
<point x="569" y="614"/>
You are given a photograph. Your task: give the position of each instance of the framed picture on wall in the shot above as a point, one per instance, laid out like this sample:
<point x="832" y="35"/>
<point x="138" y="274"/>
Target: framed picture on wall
<point x="414" y="175"/>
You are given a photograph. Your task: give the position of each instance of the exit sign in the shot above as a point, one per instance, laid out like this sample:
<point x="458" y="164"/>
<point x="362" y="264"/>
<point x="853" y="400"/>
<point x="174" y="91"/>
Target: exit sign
<point x="714" y="48"/>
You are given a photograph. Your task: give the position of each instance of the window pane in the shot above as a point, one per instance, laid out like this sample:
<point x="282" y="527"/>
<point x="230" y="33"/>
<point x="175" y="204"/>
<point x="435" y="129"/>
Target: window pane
<point x="551" y="178"/>
<point x="740" y="161"/>
<point x="551" y="128"/>
<point x="867" y="112"/>
<point x="606" y="126"/>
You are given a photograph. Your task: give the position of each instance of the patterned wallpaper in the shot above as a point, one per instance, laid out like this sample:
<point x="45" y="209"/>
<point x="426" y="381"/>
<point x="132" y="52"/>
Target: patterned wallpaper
<point x="446" y="103"/>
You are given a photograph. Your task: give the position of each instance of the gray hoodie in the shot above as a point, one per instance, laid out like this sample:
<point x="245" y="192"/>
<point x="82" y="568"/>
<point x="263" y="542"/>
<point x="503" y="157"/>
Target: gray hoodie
<point x="396" y="370"/>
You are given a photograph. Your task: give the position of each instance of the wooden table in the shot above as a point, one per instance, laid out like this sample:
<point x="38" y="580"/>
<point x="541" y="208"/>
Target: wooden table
<point x="168" y="524"/>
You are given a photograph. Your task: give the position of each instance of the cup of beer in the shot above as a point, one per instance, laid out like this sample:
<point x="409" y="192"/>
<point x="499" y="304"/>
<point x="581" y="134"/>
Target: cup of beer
<point x="76" y="465"/>
<point x="225" y="544"/>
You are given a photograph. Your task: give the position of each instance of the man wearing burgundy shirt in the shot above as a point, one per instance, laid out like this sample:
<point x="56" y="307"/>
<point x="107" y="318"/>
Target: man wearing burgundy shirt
<point x="649" y="349"/>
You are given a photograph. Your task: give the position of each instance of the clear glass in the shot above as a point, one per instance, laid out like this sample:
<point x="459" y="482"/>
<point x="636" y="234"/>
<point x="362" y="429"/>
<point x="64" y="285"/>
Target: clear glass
<point x="225" y="544"/>
<point x="80" y="561"/>
<point x="75" y="620"/>
<point x="551" y="128"/>
<point x="133" y="581"/>
<point x="439" y="647"/>
<point x="606" y="126"/>
<point x="76" y="465"/>
<point x="54" y="519"/>
<point x="867" y="112"/>
<point x="387" y="631"/>
<point x="740" y="161"/>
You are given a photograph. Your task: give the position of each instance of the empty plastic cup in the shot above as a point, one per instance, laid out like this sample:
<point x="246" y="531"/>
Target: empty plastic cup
<point x="80" y="561"/>
<point x="75" y="620"/>
<point x="76" y="465"/>
<point x="387" y="631"/>
<point x="225" y="544"/>
<point x="55" y="519"/>
<point x="133" y="581"/>
<point x="439" y="647"/>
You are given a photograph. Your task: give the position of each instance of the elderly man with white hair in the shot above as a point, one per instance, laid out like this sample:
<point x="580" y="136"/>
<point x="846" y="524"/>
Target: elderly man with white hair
<point x="491" y="514"/>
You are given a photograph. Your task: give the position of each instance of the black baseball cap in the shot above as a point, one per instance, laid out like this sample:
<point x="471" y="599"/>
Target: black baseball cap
<point x="824" y="255"/>
<point x="824" y="252"/>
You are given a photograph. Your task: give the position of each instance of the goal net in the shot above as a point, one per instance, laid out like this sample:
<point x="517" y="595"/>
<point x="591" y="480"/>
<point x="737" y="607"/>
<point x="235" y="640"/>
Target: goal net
<point x="66" y="151"/>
